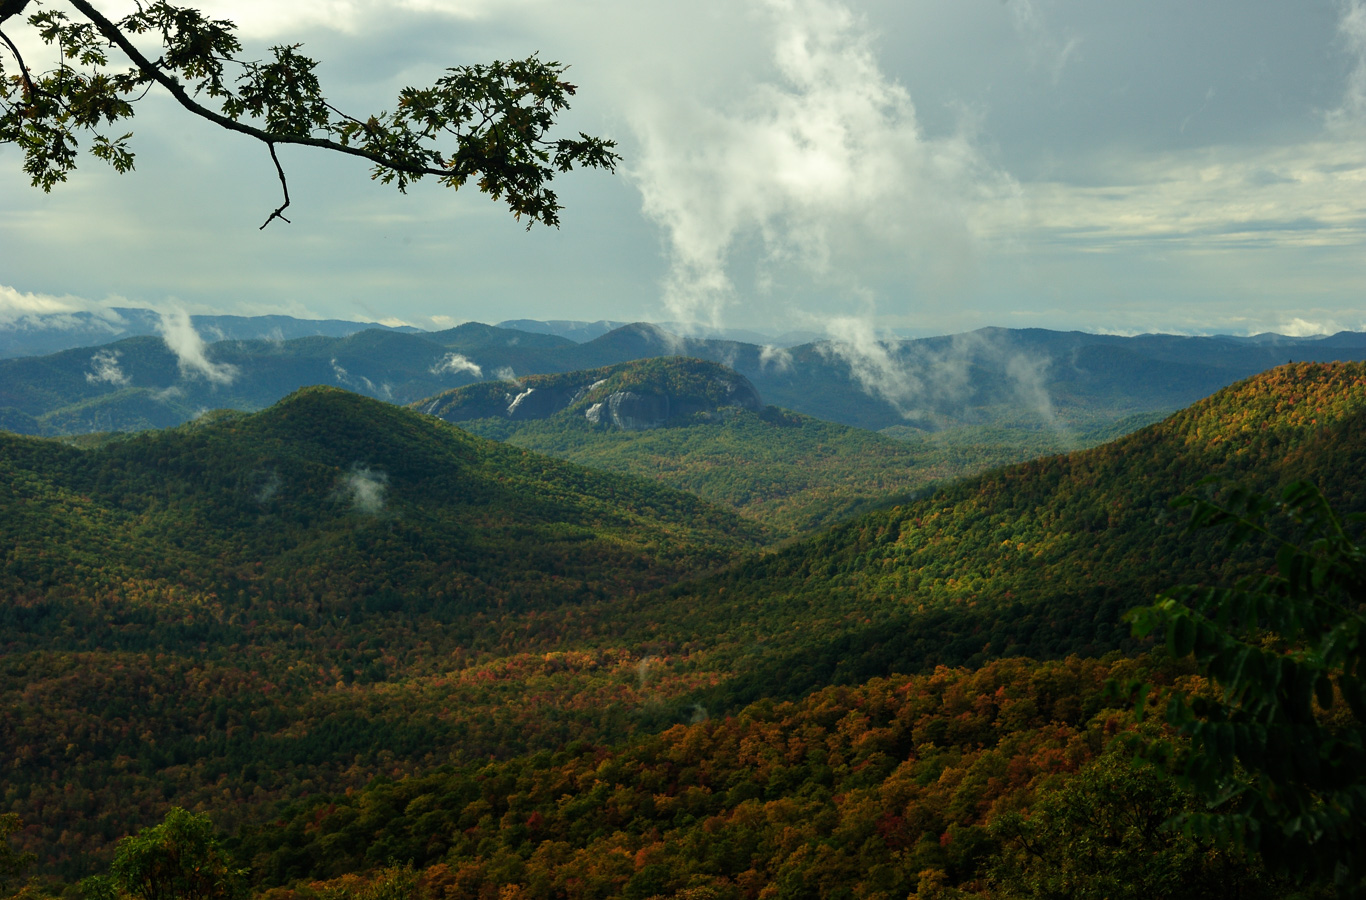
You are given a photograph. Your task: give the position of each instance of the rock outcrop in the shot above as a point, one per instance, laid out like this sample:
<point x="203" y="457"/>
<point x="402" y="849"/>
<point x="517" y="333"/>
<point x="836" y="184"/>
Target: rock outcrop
<point x="630" y="396"/>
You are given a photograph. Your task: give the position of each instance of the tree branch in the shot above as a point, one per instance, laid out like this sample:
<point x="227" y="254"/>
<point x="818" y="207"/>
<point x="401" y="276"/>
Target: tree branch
<point x="28" y="79"/>
<point x="284" y="186"/>
<point x="10" y="8"/>
<point x="120" y="40"/>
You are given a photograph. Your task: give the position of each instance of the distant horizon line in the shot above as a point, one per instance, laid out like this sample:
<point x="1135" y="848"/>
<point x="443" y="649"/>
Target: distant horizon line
<point x="681" y="329"/>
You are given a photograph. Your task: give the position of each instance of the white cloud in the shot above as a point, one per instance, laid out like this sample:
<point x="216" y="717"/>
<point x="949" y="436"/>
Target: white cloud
<point x="45" y="310"/>
<point x="455" y="364"/>
<point x="104" y="369"/>
<point x="777" y="357"/>
<point x="188" y="346"/>
<point x="365" y="488"/>
<point x="873" y="363"/>
<point x="1297" y="327"/>
<point x="1352" y="31"/>
<point x="271" y="18"/>
<point x="1305" y="195"/>
<point x="1026" y="374"/>
<point x="916" y="378"/>
<point x="821" y="162"/>
<point x="359" y="382"/>
<point x="1042" y="45"/>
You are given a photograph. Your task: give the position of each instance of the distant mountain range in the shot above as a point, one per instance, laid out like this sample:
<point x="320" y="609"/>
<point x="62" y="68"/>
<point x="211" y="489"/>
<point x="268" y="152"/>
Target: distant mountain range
<point x="36" y="335"/>
<point x="582" y="332"/>
<point x="1073" y="386"/>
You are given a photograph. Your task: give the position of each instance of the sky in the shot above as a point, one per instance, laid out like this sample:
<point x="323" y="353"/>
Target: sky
<point x="838" y="167"/>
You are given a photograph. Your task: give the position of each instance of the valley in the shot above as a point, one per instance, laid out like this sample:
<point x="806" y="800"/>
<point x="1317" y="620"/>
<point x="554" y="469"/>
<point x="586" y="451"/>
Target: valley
<point x="372" y="645"/>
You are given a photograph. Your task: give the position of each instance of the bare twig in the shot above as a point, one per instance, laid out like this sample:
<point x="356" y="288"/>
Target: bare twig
<point x="284" y="186"/>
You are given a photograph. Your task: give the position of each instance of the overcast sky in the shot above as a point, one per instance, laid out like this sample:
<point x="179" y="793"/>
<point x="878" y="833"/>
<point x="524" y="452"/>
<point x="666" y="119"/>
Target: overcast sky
<point x="933" y="165"/>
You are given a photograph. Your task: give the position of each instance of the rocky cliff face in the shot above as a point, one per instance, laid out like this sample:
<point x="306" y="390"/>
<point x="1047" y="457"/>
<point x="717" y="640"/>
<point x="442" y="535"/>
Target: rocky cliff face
<point x="632" y="396"/>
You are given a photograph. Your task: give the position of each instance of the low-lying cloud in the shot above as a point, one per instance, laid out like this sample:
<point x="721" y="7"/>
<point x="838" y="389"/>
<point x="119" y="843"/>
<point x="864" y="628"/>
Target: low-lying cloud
<point x="365" y="488"/>
<point x="778" y="359"/>
<point x="360" y="382"/>
<point x="917" y="379"/>
<point x="104" y="369"/>
<point x="456" y="364"/>
<point x="21" y="309"/>
<point x="182" y="340"/>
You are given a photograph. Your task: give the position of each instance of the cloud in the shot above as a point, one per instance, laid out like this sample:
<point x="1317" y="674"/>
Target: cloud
<point x="873" y="364"/>
<point x="269" y="487"/>
<point x="1026" y="374"/>
<point x="365" y="488"/>
<point x="1352" y="32"/>
<point x="454" y="364"/>
<point x="917" y="378"/>
<point x="360" y="382"/>
<point x="271" y="18"/>
<point x="1298" y="196"/>
<point x="777" y="357"/>
<point x="105" y="369"/>
<point x="821" y="163"/>
<point x="643" y="670"/>
<point x="47" y="311"/>
<point x="1298" y="327"/>
<point x="188" y="346"/>
<point x="1042" y="45"/>
<point x="505" y="373"/>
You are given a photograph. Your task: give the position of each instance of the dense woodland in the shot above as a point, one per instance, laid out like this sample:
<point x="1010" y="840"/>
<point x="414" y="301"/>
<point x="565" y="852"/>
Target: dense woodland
<point x="793" y="473"/>
<point x="382" y="654"/>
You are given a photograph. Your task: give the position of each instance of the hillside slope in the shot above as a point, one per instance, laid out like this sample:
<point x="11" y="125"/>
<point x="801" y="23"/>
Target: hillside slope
<point x="1040" y="558"/>
<point x="700" y="427"/>
<point x="370" y="641"/>
<point x="283" y="593"/>
<point x="329" y="487"/>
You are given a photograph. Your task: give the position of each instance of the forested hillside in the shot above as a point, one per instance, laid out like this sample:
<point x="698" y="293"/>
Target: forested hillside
<point x="788" y="471"/>
<point x="499" y="655"/>
<point x="906" y="786"/>
<point x="239" y="598"/>
<point x="1040" y="558"/>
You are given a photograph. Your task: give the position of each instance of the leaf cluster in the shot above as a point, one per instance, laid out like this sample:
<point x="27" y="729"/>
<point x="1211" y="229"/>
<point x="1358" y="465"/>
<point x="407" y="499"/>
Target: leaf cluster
<point x="1278" y="743"/>
<point x="488" y="122"/>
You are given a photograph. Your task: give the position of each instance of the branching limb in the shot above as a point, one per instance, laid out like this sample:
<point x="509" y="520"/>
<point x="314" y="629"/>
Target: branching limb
<point x="18" y="57"/>
<point x="176" y="90"/>
<point x="498" y="114"/>
<point x="284" y="186"/>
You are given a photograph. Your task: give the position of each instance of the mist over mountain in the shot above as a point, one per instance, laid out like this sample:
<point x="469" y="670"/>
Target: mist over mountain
<point x="37" y="335"/>
<point x="1073" y="386"/>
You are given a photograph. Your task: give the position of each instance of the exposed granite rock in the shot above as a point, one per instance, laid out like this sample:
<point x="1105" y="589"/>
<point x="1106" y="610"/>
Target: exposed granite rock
<point x="653" y="400"/>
